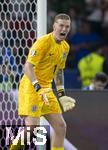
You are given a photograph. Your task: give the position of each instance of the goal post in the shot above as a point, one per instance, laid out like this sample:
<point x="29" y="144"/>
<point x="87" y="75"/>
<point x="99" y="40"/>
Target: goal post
<point x="41" y="17"/>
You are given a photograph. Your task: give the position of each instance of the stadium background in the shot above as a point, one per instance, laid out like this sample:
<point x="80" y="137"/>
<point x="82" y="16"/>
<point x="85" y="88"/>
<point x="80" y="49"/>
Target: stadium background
<point x="18" y="25"/>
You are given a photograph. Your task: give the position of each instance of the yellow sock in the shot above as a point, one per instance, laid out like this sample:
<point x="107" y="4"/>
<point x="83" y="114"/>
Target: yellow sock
<point x="57" y="148"/>
<point x="17" y="147"/>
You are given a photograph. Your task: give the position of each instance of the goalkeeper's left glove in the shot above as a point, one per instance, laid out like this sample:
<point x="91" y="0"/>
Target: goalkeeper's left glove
<point x="66" y="102"/>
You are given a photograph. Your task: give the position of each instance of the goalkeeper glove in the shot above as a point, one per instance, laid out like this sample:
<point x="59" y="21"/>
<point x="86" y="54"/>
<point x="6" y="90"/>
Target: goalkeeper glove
<point x="41" y="91"/>
<point x="66" y="102"/>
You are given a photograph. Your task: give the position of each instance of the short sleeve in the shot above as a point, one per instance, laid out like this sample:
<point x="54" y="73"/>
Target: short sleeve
<point x="38" y="51"/>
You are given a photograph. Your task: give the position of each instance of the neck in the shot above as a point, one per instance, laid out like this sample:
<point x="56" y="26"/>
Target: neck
<point x="55" y="38"/>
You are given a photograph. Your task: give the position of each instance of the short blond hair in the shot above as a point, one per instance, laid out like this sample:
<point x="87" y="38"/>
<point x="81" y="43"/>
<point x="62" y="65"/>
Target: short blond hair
<point x="62" y="16"/>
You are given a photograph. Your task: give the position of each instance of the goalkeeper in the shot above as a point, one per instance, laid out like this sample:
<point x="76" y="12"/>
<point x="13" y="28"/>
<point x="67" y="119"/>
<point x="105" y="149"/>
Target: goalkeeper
<point x="45" y="62"/>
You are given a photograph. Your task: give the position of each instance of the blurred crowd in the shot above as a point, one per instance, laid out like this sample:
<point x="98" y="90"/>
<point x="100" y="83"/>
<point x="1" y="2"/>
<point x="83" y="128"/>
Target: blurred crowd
<point x="88" y="39"/>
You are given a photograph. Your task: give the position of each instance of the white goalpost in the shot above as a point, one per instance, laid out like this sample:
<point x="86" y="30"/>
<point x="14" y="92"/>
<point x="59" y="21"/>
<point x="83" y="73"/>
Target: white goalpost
<point x="41" y="17"/>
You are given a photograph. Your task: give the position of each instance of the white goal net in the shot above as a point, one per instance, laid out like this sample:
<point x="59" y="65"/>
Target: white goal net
<point x="18" y="24"/>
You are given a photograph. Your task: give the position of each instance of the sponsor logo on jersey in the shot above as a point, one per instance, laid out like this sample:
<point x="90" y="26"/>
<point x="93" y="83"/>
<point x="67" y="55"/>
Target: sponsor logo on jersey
<point x="50" y="54"/>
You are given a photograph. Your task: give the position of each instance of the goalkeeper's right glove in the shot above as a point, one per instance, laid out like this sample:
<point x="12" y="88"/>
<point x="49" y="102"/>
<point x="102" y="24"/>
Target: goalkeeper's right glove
<point x="42" y="92"/>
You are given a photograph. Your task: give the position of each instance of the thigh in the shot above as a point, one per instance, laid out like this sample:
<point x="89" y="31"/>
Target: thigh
<point x="29" y="104"/>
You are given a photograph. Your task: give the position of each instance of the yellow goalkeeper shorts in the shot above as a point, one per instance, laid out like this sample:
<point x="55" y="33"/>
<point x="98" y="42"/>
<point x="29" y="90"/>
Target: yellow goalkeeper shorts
<point x="31" y="104"/>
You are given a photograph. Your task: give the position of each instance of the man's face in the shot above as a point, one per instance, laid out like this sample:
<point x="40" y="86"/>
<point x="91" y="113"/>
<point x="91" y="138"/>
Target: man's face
<point x="60" y="29"/>
<point x="98" y="85"/>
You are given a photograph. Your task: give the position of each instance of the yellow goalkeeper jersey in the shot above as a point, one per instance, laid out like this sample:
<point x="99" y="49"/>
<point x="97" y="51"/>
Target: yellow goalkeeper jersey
<point x="48" y="57"/>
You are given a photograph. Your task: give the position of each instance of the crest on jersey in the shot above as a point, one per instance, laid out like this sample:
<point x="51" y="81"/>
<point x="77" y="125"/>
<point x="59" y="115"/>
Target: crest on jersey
<point x="64" y="55"/>
<point x="33" y="53"/>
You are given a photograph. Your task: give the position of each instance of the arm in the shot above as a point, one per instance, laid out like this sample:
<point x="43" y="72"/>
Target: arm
<point x="59" y="80"/>
<point x="29" y="71"/>
<point x="66" y="102"/>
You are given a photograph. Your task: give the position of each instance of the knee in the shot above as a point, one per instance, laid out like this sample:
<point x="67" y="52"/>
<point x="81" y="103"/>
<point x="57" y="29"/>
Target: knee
<point x="61" y="127"/>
